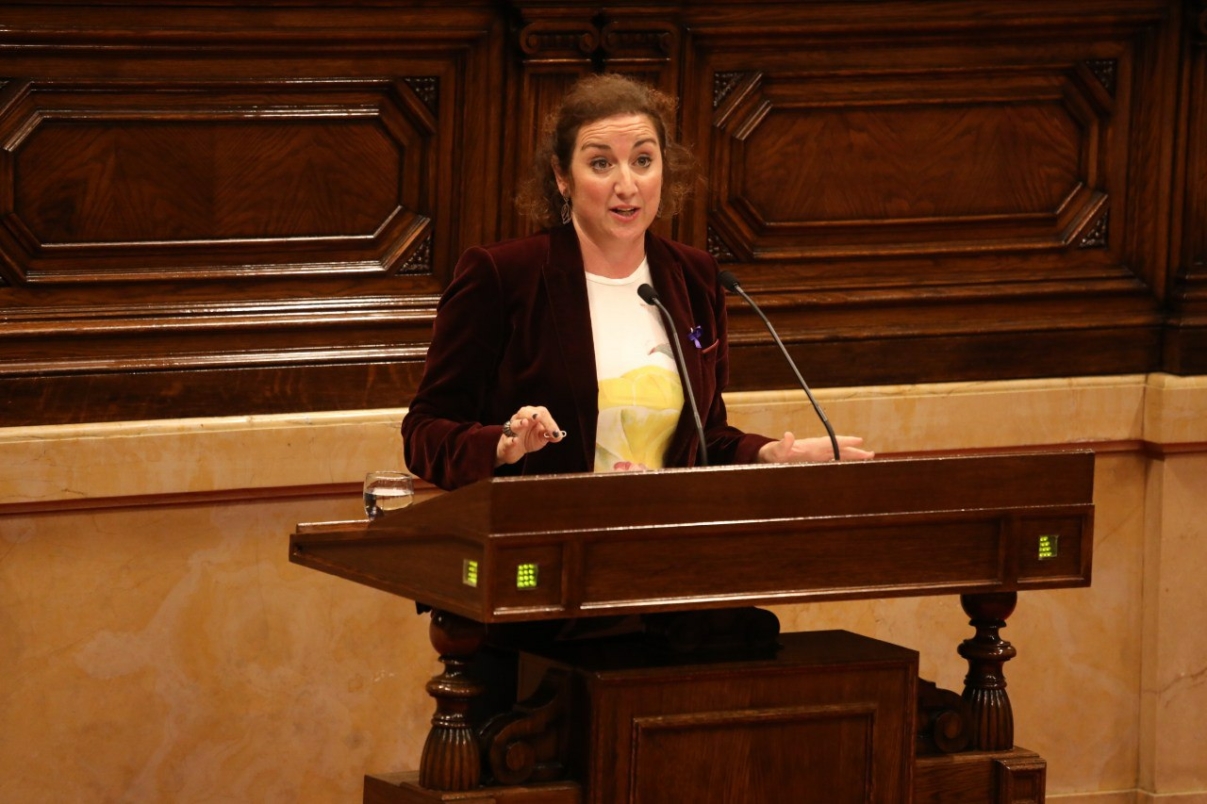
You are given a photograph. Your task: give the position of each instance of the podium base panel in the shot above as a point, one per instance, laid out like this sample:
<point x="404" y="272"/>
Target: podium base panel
<point x="403" y="788"/>
<point x="828" y="718"/>
<point x="1017" y="776"/>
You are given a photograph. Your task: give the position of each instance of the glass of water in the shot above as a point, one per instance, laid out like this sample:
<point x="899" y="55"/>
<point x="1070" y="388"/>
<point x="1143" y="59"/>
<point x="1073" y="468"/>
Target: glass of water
<point x="387" y="491"/>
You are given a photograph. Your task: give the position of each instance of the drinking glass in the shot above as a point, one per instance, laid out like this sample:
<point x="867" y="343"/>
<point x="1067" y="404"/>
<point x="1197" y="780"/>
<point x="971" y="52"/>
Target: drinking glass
<point x="387" y="491"/>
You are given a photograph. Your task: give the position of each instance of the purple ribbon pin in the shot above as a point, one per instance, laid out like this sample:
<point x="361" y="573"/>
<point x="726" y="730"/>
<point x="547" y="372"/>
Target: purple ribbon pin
<point x="694" y="336"/>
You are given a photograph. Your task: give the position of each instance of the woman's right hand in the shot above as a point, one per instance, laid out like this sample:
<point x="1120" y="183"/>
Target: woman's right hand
<point x="531" y="428"/>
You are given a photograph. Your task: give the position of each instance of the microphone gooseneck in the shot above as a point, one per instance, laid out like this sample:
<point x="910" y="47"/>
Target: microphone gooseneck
<point x="731" y="283"/>
<point x="650" y="296"/>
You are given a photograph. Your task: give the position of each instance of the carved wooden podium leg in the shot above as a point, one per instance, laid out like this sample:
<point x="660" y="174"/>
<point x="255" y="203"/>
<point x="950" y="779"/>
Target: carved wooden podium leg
<point x="985" y="684"/>
<point x="451" y="758"/>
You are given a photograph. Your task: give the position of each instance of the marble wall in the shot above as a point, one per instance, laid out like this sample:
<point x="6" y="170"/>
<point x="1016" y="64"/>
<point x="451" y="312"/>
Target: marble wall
<point x="157" y="645"/>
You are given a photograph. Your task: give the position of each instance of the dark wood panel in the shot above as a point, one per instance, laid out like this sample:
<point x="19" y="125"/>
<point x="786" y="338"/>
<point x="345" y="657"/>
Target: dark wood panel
<point x="809" y="168"/>
<point x="674" y="754"/>
<point x="959" y="202"/>
<point x="918" y="359"/>
<point x="159" y="182"/>
<point x="80" y="397"/>
<point x="234" y="209"/>
<point x="688" y="732"/>
<point x="1186" y="339"/>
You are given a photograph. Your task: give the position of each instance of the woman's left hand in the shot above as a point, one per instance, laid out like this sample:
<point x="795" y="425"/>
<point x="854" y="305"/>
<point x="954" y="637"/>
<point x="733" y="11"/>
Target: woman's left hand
<point x="814" y="450"/>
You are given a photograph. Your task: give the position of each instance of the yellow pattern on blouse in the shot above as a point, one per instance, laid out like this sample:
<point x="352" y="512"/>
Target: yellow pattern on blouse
<point x="638" y="412"/>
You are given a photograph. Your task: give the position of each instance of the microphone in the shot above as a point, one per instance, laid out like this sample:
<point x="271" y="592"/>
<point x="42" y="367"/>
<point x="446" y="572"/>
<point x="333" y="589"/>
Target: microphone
<point x="650" y="296"/>
<point x="731" y="283"/>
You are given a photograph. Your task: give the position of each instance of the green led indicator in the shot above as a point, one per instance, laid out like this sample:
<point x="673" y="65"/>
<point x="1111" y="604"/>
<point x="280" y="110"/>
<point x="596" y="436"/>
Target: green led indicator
<point x="469" y="572"/>
<point x="525" y="576"/>
<point x="1049" y="546"/>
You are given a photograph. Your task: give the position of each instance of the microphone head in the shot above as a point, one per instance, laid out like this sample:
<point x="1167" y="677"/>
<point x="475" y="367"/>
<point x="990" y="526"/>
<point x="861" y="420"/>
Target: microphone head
<point x="647" y="294"/>
<point x="728" y="280"/>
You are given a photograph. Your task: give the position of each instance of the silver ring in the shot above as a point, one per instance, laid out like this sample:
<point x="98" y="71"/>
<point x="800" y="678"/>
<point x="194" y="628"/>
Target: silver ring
<point x="507" y="431"/>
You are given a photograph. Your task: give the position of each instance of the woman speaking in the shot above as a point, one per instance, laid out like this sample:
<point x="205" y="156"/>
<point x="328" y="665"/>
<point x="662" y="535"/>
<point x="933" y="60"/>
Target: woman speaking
<point x="544" y="357"/>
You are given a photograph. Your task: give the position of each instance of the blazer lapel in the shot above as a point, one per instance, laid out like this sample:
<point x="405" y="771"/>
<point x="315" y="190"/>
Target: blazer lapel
<point x="667" y="276"/>
<point x="570" y="311"/>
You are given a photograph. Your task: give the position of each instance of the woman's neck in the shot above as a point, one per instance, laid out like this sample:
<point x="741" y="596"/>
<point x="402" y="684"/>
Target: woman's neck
<point x="616" y="261"/>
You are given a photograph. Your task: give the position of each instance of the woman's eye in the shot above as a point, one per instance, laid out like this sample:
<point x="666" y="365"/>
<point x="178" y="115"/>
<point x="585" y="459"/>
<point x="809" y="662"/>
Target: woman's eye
<point x="599" y="164"/>
<point x="645" y="160"/>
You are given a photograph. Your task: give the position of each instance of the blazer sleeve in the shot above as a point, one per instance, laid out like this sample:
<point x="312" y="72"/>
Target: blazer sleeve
<point x="444" y="440"/>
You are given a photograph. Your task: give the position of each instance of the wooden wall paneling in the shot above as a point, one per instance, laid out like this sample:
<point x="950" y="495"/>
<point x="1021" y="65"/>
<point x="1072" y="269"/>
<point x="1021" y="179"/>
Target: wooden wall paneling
<point x="246" y="206"/>
<point x="233" y="208"/>
<point x="551" y="49"/>
<point x="1186" y="339"/>
<point x="927" y="194"/>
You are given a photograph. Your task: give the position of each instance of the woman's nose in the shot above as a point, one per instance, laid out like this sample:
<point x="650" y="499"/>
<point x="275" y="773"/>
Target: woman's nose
<point x="625" y="185"/>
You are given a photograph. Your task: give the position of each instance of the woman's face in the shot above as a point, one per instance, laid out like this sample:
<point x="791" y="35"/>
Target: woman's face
<point x="615" y="179"/>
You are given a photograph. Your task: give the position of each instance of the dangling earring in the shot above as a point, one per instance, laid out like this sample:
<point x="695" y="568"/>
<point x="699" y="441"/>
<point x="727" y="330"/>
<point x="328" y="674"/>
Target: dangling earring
<point x="658" y="214"/>
<point x="565" y="209"/>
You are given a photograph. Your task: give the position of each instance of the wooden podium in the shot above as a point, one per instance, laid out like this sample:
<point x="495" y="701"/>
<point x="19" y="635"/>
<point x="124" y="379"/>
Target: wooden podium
<point x="691" y="553"/>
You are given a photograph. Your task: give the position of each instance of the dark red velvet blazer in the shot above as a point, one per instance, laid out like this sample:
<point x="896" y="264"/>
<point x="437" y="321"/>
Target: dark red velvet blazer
<point x="513" y="328"/>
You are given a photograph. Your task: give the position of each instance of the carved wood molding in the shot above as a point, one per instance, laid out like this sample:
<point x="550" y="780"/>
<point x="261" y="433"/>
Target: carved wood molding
<point x="420" y="261"/>
<point x="944" y="720"/>
<point x="169" y="334"/>
<point x="599" y="39"/>
<point x="451" y="758"/>
<point x="718" y="248"/>
<point x="724" y="83"/>
<point x="647" y="40"/>
<point x="1098" y="235"/>
<point x="427" y="89"/>
<point x="552" y="40"/>
<point x="1105" y="70"/>
<point x="528" y="743"/>
<point x="985" y="684"/>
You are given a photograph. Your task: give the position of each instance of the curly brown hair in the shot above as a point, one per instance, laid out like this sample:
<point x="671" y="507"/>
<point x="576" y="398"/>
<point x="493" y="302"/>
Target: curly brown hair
<point x="593" y="98"/>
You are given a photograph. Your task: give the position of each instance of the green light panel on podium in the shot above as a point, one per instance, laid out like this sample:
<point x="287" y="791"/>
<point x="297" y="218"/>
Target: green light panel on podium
<point x="526" y="576"/>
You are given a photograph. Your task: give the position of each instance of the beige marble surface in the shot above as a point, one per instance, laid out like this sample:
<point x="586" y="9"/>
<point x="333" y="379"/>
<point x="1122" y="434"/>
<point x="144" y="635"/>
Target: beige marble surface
<point x="81" y="462"/>
<point x="1176" y="412"/>
<point x="1174" y="691"/>
<point x="920" y="418"/>
<point x="158" y="645"/>
<point x="172" y="654"/>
